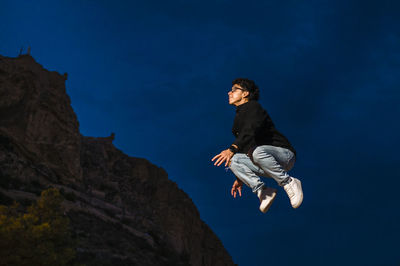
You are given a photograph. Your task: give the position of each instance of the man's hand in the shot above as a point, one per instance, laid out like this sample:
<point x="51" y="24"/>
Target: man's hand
<point x="224" y="156"/>
<point x="236" y="187"/>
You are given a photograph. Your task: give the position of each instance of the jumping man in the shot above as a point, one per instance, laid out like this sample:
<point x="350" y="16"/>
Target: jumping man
<point x="259" y="149"/>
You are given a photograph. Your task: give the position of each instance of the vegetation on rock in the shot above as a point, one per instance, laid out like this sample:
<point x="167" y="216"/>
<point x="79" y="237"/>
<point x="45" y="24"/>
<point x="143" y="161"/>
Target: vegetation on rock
<point x="37" y="236"/>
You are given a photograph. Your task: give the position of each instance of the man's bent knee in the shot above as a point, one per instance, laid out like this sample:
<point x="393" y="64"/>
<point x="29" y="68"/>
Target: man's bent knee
<point x="257" y="155"/>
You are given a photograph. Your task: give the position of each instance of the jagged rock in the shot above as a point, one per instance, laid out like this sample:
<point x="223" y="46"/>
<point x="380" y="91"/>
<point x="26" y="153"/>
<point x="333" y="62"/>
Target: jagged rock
<point x="123" y="210"/>
<point x="36" y="113"/>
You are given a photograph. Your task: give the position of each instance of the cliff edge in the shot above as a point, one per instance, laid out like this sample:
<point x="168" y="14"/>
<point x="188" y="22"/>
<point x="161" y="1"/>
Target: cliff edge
<point x="123" y="210"/>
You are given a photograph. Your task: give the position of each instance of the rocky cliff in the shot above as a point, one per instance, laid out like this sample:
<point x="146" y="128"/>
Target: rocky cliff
<point x="123" y="210"/>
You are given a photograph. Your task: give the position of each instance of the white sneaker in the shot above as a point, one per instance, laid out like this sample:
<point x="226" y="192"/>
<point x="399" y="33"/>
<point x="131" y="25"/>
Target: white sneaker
<point x="266" y="196"/>
<point x="295" y="192"/>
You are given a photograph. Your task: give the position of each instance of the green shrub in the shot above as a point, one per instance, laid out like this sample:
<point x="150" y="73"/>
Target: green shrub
<point x="38" y="236"/>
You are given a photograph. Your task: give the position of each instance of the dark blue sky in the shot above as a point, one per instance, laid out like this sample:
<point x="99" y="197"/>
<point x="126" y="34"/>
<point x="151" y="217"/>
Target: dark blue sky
<point x="157" y="74"/>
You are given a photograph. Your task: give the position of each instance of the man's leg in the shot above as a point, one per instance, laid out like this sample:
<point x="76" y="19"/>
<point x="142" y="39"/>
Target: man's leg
<point x="275" y="162"/>
<point x="247" y="172"/>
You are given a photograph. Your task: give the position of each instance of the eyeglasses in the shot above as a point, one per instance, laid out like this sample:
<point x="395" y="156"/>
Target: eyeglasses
<point x="235" y="89"/>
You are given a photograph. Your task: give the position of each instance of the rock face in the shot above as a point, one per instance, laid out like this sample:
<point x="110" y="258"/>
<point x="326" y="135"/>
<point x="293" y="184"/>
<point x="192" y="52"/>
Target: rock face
<point x="123" y="210"/>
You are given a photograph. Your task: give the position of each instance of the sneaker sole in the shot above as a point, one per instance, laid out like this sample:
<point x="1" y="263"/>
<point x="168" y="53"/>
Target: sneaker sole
<point x="264" y="210"/>
<point x="301" y="198"/>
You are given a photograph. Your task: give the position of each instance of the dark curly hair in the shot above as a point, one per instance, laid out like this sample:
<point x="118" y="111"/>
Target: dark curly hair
<point x="248" y="85"/>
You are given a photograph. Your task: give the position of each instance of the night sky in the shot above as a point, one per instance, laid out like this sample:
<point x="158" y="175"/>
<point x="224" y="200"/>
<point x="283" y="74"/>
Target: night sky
<point x="157" y="74"/>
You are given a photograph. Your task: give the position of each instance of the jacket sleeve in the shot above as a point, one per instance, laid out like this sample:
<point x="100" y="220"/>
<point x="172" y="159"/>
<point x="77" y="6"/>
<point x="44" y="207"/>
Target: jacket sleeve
<point x="253" y="119"/>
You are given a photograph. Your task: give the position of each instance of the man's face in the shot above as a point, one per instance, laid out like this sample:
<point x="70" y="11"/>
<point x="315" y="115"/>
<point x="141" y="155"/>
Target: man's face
<point x="237" y="95"/>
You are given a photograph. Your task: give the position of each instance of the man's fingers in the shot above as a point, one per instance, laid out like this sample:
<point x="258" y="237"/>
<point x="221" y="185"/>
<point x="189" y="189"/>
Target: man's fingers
<point x="216" y="156"/>
<point x="236" y="189"/>
<point x="219" y="161"/>
<point x="222" y="160"/>
<point x="228" y="162"/>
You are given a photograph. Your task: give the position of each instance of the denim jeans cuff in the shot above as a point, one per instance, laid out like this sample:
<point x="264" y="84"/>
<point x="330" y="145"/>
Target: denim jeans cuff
<point x="285" y="181"/>
<point x="258" y="188"/>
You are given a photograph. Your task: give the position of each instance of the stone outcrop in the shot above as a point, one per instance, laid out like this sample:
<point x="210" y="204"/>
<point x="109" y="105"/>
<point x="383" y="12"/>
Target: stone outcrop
<point x="123" y="210"/>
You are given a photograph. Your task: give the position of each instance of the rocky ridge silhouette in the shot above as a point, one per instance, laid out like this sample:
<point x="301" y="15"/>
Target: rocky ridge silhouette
<point x="123" y="210"/>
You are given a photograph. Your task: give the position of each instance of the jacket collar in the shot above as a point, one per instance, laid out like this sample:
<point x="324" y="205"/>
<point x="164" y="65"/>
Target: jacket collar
<point x="242" y="106"/>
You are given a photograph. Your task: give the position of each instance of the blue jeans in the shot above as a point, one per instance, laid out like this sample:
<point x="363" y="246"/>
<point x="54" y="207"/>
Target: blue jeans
<point x="269" y="161"/>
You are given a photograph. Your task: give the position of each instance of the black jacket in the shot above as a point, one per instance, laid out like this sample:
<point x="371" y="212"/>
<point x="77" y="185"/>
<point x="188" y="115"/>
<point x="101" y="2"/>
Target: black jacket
<point x="253" y="127"/>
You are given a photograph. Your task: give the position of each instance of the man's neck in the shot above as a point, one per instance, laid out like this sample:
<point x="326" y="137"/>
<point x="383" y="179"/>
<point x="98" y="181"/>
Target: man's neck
<point x="245" y="100"/>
